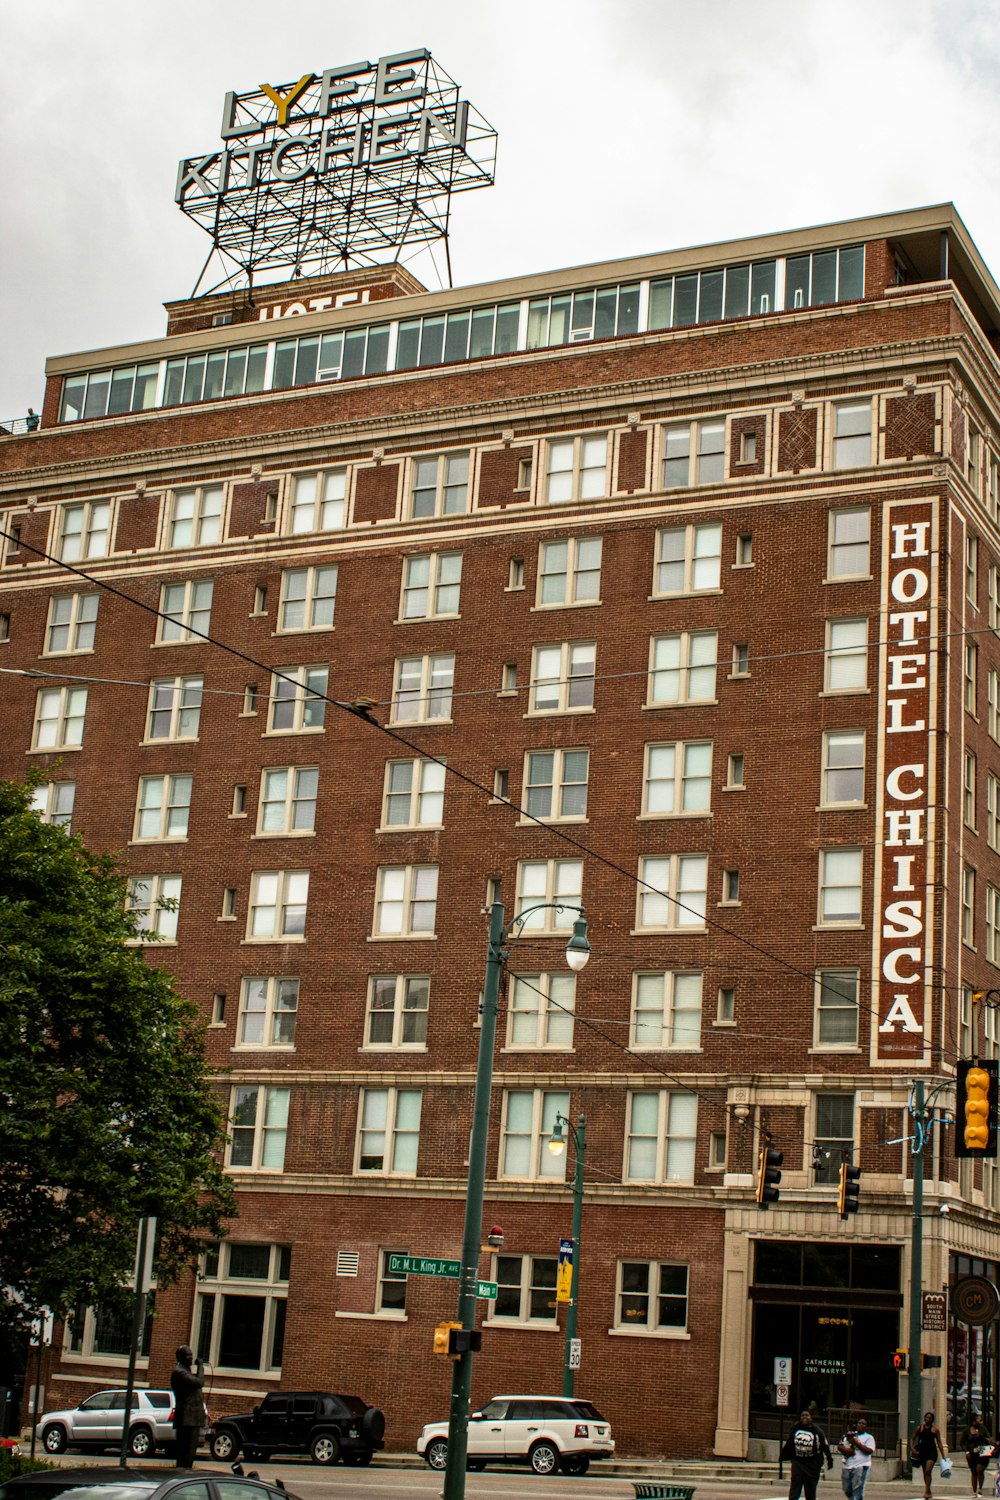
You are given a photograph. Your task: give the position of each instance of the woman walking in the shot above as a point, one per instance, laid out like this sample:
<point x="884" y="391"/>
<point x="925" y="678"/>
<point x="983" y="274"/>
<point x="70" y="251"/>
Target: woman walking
<point x="978" y="1447"/>
<point x="926" y="1445"/>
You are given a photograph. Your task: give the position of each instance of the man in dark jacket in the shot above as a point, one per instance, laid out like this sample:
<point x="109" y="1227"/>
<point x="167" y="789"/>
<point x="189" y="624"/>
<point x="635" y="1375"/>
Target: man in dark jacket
<point x="807" y="1447"/>
<point x="189" y="1406"/>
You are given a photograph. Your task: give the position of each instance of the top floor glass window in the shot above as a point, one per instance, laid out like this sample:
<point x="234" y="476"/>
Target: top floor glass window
<point x="331" y="356"/>
<point x="825" y="276"/>
<point x="709" y="296"/>
<point x="577" y="317"/>
<point x="472" y="333"/>
<point x="222" y="372"/>
<point x="104" y="393"/>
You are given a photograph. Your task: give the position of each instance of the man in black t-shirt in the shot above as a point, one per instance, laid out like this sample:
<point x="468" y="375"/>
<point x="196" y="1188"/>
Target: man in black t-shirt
<point x="806" y="1446"/>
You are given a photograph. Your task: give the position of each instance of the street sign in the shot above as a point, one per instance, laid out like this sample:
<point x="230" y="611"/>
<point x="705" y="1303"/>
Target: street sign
<point x="433" y="1265"/>
<point x="782" y="1370"/>
<point x="934" y="1318"/>
<point x="781" y="1395"/>
<point x="487" y="1289"/>
<point x="574" y="1354"/>
<point x="564" y="1277"/>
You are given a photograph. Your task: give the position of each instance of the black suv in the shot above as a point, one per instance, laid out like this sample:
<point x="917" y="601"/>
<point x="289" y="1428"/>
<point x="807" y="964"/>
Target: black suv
<point x="326" y="1427"/>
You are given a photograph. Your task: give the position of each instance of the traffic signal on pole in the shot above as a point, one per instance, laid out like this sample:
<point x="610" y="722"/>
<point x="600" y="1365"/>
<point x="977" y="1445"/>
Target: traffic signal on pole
<point x="769" y="1161"/>
<point x="451" y="1340"/>
<point x="442" y="1339"/>
<point x="849" y="1190"/>
<point x="976" y="1109"/>
<point x="899" y="1361"/>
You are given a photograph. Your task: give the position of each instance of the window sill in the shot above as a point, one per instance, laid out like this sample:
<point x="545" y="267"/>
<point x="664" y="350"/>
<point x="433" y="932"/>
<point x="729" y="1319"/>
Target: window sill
<point x="284" y="833"/>
<point x="402" y="937"/>
<point x="645" y="1051"/>
<point x="719" y="1022"/>
<point x="303" y="630"/>
<point x="517" y="1325"/>
<point x="648" y="1333"/>
<point x="508" y="692"/>
<point x="256" y="942"/>
<point x="850" y="578"/>
<point x="247" y="713"/>
<point x="670" y="816"/>
<point x="685" y="594"/>
<point x="382" y="1048"/>
<point x="418" y="723"/>
<point x="556" y="713"/>
<point x="547" y="822"/>
<point x="227" y="918"/>
<point x="56" y="655"/>
<point x="149" y="843"/>
<point x="838" y="927"/>
<point x="216" y="1025"/>
<point x="374" y="1317"/>
<point x="742" y="567"/>
<point x="425" y="619"/>
<point x="683" y="703"/>
<point x="238" y="815"/>
<point x="523" y="1050"/>
<point x="843" y="807"/>
<point x="729" y="903"/>
<point x="567" y="604"/>
<point x="244" y="1047"/>
<point x="52" y="749"/>
<point x="274" y="734"/>
<point x="187" y="739"/>
<point x="153" y="942"/>
<point x="833" y="1049"/>
<point x="846" y="692"/>
<point x="667" y="931"/>
<point x="738" y="676"/>
<point x="737" y="786"/>
<point x="409" y="828"/>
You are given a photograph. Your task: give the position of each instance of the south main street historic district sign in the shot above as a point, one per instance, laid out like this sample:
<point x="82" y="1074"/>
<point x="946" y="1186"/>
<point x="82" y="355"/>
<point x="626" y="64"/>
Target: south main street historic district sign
<point x="432" y="1265"/>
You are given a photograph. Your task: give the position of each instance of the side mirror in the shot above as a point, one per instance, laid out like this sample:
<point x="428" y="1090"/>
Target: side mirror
<point x="256" y="1411"/>
<point x="476" y="1416"/>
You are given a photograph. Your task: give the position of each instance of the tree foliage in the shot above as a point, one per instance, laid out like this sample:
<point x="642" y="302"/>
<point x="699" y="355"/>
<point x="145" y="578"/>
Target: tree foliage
<point x="107" y="1109"/>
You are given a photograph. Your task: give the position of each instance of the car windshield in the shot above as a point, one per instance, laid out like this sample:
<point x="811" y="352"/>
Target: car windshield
<point x="588" y="1409"/>
<point x="30" y="1487"/>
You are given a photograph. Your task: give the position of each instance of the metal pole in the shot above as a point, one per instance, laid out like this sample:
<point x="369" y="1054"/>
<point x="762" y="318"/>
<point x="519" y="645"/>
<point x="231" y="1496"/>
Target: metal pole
<point x="461" y="1383"/>
<point x="913" y="1412"/>
<point x="580" y="1145"/>
<point x="138" y="1318"/>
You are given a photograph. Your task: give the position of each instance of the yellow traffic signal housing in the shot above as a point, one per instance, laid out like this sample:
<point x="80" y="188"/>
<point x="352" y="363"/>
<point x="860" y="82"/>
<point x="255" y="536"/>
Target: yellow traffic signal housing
<point x="443" y="1340"/>
<point x="769" y="1163"/>
<point x="849" y="1190"/>
<point x="899" y="1359"/>
<point x="976" y="1109"/>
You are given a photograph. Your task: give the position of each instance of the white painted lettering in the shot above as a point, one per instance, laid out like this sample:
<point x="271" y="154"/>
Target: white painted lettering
<point x="904" y="872"/>
<point x="901" y="1014"/>
<point x="910" y="541"/>
<point x="909" y="585"/>
<point x="891" y="962"/>
<point x="908" y="822"/>
<point x="896" y="707"/>
<point x="903" y="919"/>
<point x="894" y="779"/>
<point x="904" y="670"/>
<point x="907" y="621"/>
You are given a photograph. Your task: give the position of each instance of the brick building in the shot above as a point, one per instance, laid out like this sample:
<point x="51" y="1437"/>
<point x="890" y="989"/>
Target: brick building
<point x="689" y="566"/>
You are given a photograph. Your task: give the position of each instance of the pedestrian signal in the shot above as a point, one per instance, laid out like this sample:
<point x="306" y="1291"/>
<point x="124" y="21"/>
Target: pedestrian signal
<point x="451" y="1340"/>
<point x="976" y="1109"/>
<point x="849" y="1190"/>
<point x="442" y="1339"/>
<point x="899" y="1360"/>
<point x="768" y="1175"/>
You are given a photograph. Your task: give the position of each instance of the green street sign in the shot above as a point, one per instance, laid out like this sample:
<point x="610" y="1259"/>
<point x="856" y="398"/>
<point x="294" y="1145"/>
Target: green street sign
<point x="487" y="1289"/>
<point x="433" y="1265"/>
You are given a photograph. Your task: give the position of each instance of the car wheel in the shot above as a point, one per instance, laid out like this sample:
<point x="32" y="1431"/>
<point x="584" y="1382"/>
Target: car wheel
<point x="324" y="1448"/>
<point x="224" y="1446"/>
<point x="141" y="1443"/>
<point x="544" y="1458"/>
<point x="54" y="1439"/>
<point x="436" y="1454"/>
<point x="577" y="1463"/>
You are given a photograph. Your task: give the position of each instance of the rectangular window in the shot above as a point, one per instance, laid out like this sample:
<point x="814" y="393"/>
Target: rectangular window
<point x="969" y="789"/>
<point x="834" y="1141"/>
<point x="413" y="795"/>
<point x="53" y="801"/>
<point x="432" y="584"/>
<point x="163" y="808"/>
<point x="677" y="778"/>
<point x="725" y="1006"/>
<point x="569" y="571"/>
<point x="846" y="656"/>
<point x="562" y="677"/>
<point x="993" y="597"/>
<point x="308" y="599"/>
<point x="666" y="1010"/>
<point x="154" y="901"/>
<point x="849" y="545"/>
<point x="555" y="784"/>
<point x="576" y="469"/>
<point x="397" y="1010"/>
<point x="317" y="502"/>
<point x="547" y="884"/>
<point x="406" y="901"/>
<point x="278" y="900"/>
<point x="268" y="1011"/>
<point x="694" y="453"/>
<point x="195" y="517"/>
<point x="673" y="892"/>
<point x="85" y="531"/>
<point x="843" y="767"/>
<point x="741" y="659"/>
<point x="968" y="905"/>
<point x="970" y="676"/>
<point x="660" y="1138"/>
<point x="258" y="1127"/>
<point x="972" y="569"/>
<point x="423" y="688"/>
<point x="540" y="1012"/>
<point x="239" y="1314"/>
<point x="72" y="624"/>
<point x="440" y="486"/>
<point x="852" y="435"/>
<point x="839" y="887"/>
<point x="651" y="1297"/>
<point x="184" y="608"/>
<point x="59" y="716"/>
<point x="529" y="1116"/>
<point x="744" y="550"/>
<point x="682" y="667"/>
<point x="837" y="1008"/>
<point x="730" y="888"/>
<point x="389" y="1131"/>
<point x="174" y="711"/>
<point x="688" y="560"/>
<point x="390" y="1294"/>
<point x="992" y="811"/>
<point x="288" y="799"/>
<point x="992" y="924"/>
<point x="735" y="768"/>
<point x="526" y="1289"/>
<point x="298" y="700"/>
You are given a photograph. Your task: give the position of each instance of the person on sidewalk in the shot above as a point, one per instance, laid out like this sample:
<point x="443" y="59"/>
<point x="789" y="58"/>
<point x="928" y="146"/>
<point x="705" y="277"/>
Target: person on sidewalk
<point x="978" y="1446"/>
<point x="189" y="1405"/>
<point x="806" y="1446"/>
<point x="926" y="1446"/>
<point x="856" y="1447"/>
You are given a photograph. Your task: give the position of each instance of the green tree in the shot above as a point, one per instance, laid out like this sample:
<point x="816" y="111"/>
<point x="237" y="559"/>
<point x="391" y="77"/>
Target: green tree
<point x="107" y="1107"/>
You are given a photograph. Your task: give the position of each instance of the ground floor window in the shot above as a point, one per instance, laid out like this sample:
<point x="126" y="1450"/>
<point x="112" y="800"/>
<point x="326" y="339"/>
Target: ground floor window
<point x="241" y="1304"/>
<point x="104" y="1329"/>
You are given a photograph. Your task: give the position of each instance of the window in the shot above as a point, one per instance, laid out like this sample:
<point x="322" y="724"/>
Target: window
<point x="308" y="598"/>
<point x="546" y="883"/>
<point x="852" y="435"/>
<point x="730" y="888"/>
<point x="694" y="453"/>
<point x="406" y="901"/>
<point x="466" y="333"/>
<point x="970" y="675"/>
<point x="574" y="317"/>
<point x="709" y="296"/>
<point x="569" y="572"/>
<point x="677" y="778"/>
<point x="837" y="999"/>
<point x="515" y="573"/>
<point x="222" y="372"/>
<point x="744" y="550"/>
<point x="748" y="447"/>
<point x="843" y="767"/>
<point x="85" y="531"/>
<point x="846" y="656"/>
<point x="440" y="486"/>
<point x="968" y="905"/>
<point x="673" y="892"/>
<point x="397" y="1010"/>
<point x="108" y="392"/>
<point x="717" y="1151"/>
<point x="104" y="1329"/>
<point x="195" y="517"/>
<point x="298" y="700"/>
<point x="993" y="924"/>
<point x="993" y="704"/>
<point x="154" y="901"/>
<point x="508" y="677"/>
<point x="651" y="1296"/>
<point x="174" y="708"/>
<point x="317" y="502"/>
<point x="834" y="1141"/>
<point x="660" y="1140"/>
<point x="59" y="716"/>
<point x="562" y="677"/>
<point x="993" y="597"/>
<point x="725" y="1007"/>
<point x="825" y="276"/>
<point x="239" y="1314"/>
<point x="735" y="768"/>
<point x="432" y="584"/>
<point x="526" y="1289"/>
<point x="992" y="811"/>
<point x="849" y="554"/>
<point x="72" y="623"/>
<point x="331" y="356"/>
<point x="5" y="626"/>
<point x="576" y="469"/>
<point x="389" y="1131"/>
<point x="741" y="659"/>
<point x="666" y="1010"/>
<point x="163" y="808"/>
<point x="187" y="608"/>
<point x="839" y="887"/>
<point x="268" y="1011"/>
<point x="258" y="1127"/>
<point x="529" y="1117"/>
<point x="969" y="789"/>
<point x="390" y="1294"/>
<point x="682" y="667"/>
<point x="423" y="688"/>
<point x="501" y="785"/>
<point x="228" y="904"/>
<point x="288" y="799"/>
<point x="971" y="569"/>
<point x="53" y="802"/>
<point x="278" y="900"/>
<point x="414" y="794"/>
<point x="249" y="700"/>
<point x="555" y="783"/>
<point x="540" y="1012"/>
<point x="688" y="560"/>
<point x="218" y="1008"/>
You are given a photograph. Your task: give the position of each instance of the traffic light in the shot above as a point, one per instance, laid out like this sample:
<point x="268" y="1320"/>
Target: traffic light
<point x="769" y="1161"/>
<point x="930" y="1361"/>
<point x="452" y="1340"/>
<point x="442" y="1339"/>
<point x="976" y="1109"/>
<point x="899" y="1361"/>
<point x="849" y="1190"/>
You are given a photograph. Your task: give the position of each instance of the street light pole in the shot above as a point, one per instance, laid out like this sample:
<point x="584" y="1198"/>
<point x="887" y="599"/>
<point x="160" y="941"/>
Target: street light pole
<point x="556" y="1146"/>
<point x="913" y="1392"/>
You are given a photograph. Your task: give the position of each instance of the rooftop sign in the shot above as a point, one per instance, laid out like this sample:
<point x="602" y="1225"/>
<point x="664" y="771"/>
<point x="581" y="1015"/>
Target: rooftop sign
<point x="339" y="167"/>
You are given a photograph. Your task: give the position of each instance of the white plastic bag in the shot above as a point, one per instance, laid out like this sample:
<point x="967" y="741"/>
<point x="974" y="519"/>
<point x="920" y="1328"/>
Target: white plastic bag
<point x="946" y="1468"/>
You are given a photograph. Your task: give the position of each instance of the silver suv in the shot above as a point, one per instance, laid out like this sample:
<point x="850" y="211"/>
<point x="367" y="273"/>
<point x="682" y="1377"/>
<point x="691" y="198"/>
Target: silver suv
<point x="547" y="1432"/>
<point x="97" y="1423"/>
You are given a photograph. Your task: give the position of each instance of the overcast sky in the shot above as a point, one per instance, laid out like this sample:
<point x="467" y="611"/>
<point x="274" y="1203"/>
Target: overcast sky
<point x="625" y="126"/>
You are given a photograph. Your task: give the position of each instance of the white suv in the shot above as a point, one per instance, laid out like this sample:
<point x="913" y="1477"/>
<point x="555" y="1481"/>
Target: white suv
<point x="97" y="1423"/>
<point x="547" y="1432"/>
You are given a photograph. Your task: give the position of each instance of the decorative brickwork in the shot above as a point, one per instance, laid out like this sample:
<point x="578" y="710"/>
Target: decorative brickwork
<point x="138" y="522"/>
<point x="739" y="428"/>
<point x="249" y="506"/>
<point x="910" y="427"/>
<point x="797" y="439"/>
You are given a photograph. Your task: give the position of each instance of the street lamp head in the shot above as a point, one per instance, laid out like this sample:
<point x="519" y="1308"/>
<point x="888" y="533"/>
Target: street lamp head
<point x="578" y="949"/>
<point x="557" y="1143"/>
